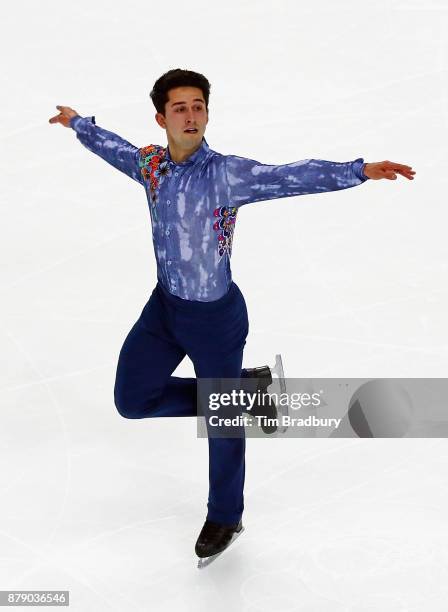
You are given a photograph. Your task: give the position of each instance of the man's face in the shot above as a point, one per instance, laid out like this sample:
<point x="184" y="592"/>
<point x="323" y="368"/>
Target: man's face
<point x="185" y="109"/>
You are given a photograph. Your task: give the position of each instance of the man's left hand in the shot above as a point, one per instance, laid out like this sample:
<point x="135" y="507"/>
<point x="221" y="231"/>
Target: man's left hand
<point x="388" y="170"/>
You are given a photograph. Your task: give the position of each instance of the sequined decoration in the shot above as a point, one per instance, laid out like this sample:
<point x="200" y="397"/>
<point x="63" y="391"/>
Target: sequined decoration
<point x="154" y="168"/>
<point x="225" y="225"/>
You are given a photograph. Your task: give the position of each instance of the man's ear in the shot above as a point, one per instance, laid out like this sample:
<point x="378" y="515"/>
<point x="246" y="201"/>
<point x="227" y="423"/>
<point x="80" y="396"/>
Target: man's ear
<point x="160" y="120"/>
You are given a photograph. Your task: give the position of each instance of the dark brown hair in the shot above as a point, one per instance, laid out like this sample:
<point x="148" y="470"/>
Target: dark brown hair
<point x="177" y="78"/>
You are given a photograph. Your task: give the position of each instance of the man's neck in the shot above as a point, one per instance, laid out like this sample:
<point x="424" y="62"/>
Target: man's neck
<point x="179" y="155"/>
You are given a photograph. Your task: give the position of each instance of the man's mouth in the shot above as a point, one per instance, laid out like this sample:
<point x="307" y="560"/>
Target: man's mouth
<point x="191" y="131"/>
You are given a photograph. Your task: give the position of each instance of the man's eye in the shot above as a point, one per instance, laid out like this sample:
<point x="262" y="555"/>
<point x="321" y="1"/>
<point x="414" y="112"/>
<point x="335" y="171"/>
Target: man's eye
<point x="182" y="108"/>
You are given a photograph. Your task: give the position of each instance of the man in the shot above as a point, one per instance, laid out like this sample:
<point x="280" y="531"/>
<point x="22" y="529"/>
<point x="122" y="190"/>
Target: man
<point x="194" y="194"/>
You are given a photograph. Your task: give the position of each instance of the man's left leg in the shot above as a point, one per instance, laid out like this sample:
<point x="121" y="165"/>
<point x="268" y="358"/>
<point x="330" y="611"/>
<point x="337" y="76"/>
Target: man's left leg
<point x="226" y="467"/>
<point x="213" y="334"/>
<point x="226" y="454"/>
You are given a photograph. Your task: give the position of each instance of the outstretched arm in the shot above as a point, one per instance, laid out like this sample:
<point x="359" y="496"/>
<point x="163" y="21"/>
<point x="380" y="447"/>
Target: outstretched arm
<point x="250" y="181"/>
<point x="112" y="148"/>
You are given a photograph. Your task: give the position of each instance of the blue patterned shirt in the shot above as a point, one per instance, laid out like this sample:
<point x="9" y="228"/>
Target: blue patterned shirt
<point x="194" y="203"/>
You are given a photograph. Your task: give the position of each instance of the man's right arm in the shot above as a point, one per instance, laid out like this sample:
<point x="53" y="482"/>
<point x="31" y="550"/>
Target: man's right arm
<point x="112" y="148"/>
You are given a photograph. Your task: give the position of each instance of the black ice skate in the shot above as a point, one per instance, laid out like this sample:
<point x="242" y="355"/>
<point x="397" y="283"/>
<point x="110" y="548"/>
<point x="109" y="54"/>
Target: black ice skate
<point x="266" y="407"/>
<point x="214" y="539"/>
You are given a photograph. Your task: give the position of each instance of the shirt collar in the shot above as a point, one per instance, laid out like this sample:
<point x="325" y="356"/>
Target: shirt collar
<point x="197" y="156"/>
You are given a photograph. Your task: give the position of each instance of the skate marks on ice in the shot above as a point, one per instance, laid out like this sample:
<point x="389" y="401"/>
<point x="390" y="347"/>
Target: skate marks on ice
<point x="205" y="561"/>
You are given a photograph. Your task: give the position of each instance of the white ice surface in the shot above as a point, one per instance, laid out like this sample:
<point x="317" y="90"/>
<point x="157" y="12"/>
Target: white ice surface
<point x="353" y="284"/>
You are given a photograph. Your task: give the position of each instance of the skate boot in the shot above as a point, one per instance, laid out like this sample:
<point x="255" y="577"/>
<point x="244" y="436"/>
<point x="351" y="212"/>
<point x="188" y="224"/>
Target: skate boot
<point x="263" y="373"/>
<point x="214" y="539"/>
<point x="266" y="408"/>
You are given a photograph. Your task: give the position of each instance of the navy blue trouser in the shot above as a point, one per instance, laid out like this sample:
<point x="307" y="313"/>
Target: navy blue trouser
<point x="213" y="335"/>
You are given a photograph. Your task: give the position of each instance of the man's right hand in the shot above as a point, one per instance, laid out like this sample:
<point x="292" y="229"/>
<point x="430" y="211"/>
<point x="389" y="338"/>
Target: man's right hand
<point x="65" y="114"/>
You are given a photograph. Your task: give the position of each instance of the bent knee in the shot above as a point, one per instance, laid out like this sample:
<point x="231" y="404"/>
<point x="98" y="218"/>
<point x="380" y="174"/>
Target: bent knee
<point x="129" y="409"/>
<point x="125" y="410"/>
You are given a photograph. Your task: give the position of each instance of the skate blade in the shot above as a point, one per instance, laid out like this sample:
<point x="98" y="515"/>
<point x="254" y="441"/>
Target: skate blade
<point x="280" y="373"/>
<point x="207" y="560"/>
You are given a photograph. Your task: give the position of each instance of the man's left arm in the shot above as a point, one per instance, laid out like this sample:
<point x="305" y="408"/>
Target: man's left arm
<point x="250" y="181"/>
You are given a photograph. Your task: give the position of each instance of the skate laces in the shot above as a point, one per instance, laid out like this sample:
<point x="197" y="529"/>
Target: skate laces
<point x="211" y="528"/>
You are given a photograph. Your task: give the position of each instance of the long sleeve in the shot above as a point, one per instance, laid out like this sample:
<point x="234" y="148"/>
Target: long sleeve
<point x="112" y="148"/>
<point x="251" y="181"/>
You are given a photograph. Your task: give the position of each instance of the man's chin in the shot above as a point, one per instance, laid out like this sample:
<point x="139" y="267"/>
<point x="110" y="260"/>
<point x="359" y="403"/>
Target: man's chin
<point x="191" y="139"/>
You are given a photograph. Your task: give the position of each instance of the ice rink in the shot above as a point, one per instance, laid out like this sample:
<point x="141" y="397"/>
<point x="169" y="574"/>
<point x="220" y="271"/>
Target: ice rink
<point x="351" y="283"/>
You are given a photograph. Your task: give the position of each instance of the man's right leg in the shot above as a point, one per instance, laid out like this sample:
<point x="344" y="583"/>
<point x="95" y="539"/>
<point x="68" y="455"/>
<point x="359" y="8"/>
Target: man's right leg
<point x="144" y="386"/>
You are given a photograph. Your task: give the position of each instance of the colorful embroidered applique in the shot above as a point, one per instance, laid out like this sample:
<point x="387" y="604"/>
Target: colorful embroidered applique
<point x="154" y="168"/>
<point x="225" y="225"/>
